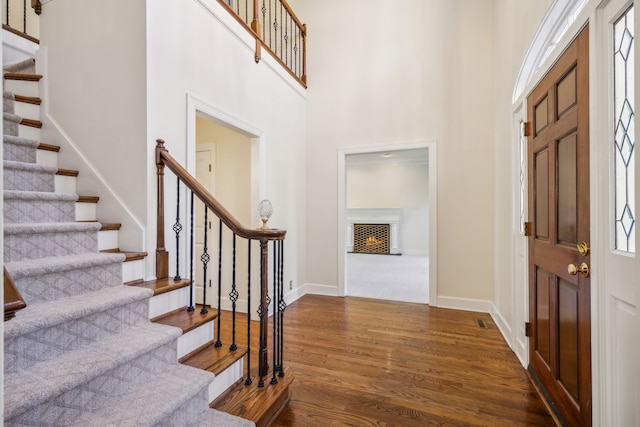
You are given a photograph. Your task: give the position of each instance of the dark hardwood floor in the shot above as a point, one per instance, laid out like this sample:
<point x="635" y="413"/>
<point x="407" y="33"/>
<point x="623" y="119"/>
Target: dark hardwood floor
<point x="364" y="362"/>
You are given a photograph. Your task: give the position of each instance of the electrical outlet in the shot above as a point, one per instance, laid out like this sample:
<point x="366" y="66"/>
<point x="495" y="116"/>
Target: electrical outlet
<point x="290" y="285"/>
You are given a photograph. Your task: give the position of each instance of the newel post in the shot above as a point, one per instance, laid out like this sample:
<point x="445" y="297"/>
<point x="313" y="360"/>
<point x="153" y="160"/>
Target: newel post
<point x="162" y="256"/>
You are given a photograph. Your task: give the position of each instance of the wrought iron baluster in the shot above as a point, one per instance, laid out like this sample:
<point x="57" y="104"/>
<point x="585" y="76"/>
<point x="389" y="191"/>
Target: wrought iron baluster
<point x="7" y="6"/>
<point x="262" y="310"/>
<point x="295" y="52"/>
<point x="246" y="11"/>
<point x="233" y="295"/>
<point x="177" y="228"/>
<point x="270" y="32"/>
<point x="249" y="381"/>
<point x="281" y="32"/>
<point x="287" y="30"/>
<point x="205" y="260"/>
<point x="24" y="15"/>
<point x="191" y="259"/>
<point x="264" y="19"/>
<point x="282" y="305"/>
<point x="274" y="380"/>
<point x="218" y="342"/>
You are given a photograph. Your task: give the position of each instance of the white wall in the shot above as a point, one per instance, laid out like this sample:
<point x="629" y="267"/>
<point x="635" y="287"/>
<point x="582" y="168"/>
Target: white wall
<point x="422" y="79"/>
<point x="395" y="185"/>
<point x="197" y="51"/>
<point x="94" y="55"/>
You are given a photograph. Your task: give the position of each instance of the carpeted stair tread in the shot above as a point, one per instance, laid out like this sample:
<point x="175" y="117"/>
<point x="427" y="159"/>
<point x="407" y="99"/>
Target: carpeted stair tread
<point x="11" y="117"/>
<point x="39" y="206"/>
<point x="8" y="102"/>
<point x="50" y="227"/>
<point x="38" y="195"/>
<point x="30" y="387"/>
<point x="11" y="123"/>
<point x="31" y="167"/>
<point x="150" y="403"/>
<point x="30" y="207"/>
<point x="25" y="66"/>
<point x="19" y="140"/>
<point x="28" y="176"/>
<point x="38" y="316"/>
<point x="34" y="267"/>
<point x="52" y="278"/>
<point x="19" y="149"/>
<point x="41" y="240"/>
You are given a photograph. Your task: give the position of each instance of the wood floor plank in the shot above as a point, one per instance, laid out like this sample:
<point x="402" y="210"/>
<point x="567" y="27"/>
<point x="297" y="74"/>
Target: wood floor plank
<point x="363" y="362"/>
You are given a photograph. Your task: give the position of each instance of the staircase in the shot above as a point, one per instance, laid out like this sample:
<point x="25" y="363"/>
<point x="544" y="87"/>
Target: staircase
<point x="84" y="352"/>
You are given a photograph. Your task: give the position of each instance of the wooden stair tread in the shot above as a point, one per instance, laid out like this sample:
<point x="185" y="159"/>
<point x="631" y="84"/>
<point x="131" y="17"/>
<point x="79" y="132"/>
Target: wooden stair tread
<point x="23" y="76"/>
<point x="213" y="359"/>
<point x="31" y="123"/>
<point x="67" y="172"/>
<point x="130" y="256"/>
<point x="106" y="226"/>
<point x="262" y="405"/>
<point x="186" y="320"/>
<point x="49" y="147"/>
<point x="27" y="99"/>
<point x="160" y="286"/>
<point x="88" y="199"/>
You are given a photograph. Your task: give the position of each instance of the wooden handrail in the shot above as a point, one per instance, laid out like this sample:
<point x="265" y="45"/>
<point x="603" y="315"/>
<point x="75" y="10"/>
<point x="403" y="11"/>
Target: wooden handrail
<point x="293" y="15"/>
<point x="13" y="301"/>
<point x="163" y="158"/>
<point x="254" y="28"/>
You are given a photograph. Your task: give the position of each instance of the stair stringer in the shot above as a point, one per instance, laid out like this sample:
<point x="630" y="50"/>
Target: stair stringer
<point x="133" y="232"/>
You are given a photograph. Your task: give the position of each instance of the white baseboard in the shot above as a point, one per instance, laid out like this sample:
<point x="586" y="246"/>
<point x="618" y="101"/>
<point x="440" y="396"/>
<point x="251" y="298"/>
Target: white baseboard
<point x="294" y="294"/>
<point x="468" y="304"/>
<point x="502" y="325"/>
<point x="317" y="289"/>
<point x="415" y="252"/>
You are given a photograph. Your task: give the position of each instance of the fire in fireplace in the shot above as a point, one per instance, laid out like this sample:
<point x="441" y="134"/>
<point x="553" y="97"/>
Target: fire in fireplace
<point x="371" y="238"/>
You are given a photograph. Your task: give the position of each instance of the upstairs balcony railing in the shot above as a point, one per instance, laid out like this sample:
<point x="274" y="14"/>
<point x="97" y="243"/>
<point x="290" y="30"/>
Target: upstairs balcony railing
<point x="272" y="23"/>
<point x="21" y="18"/>
<point x="226" y="256"/>
<point x="277" y="29"/>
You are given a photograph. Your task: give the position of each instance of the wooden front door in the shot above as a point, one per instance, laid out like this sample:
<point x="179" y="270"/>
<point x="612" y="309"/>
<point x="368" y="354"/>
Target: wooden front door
<point x="559" y="283"/>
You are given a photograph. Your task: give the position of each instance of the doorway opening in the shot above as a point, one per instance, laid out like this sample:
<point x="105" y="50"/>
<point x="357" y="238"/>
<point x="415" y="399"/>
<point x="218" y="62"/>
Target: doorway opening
<point x="224" y="166"/>
<point x="387" y="222"/>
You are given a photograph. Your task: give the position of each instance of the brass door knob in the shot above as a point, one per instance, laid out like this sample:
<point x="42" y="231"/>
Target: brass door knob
<point x="574" y="269"/>
<point x="583" y="248"/>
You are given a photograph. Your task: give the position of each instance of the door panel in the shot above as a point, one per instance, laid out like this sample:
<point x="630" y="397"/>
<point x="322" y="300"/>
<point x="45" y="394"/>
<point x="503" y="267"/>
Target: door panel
<point x="560" y="347"/>
<point x="205" y="159"/>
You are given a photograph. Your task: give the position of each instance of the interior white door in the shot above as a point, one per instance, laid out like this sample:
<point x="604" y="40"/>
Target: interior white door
<point x="205" y="174"/>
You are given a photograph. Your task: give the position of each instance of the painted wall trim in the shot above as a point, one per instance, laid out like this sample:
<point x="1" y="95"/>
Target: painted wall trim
<point x="467" y="304"/>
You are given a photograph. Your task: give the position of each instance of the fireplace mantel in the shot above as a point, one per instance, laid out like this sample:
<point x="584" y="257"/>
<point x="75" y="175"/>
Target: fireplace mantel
<point x="391" y="216"/>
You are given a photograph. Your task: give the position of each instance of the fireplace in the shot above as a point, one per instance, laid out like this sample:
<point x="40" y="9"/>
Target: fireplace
<point x="371" y="238"/>
<point x="389" y="218"/>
